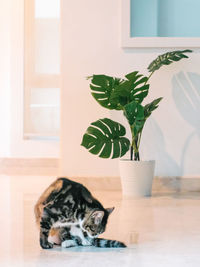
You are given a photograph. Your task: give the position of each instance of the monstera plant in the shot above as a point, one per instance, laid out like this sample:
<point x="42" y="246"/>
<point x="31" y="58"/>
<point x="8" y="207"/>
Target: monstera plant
<point x="105" y="137"/>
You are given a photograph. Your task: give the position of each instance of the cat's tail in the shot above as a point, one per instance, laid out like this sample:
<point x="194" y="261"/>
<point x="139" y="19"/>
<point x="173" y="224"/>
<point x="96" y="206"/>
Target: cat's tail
<point x="105" y="243"/>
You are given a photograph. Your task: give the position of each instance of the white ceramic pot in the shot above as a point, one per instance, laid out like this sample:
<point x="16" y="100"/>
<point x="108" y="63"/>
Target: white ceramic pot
<point x="136" y="177"/>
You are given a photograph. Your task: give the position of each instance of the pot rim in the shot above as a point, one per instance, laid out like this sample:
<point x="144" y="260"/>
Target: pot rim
<point x="136" y="161"/>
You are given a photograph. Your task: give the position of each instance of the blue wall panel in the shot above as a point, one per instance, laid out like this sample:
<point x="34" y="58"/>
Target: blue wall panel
<point x="167" y="18"/>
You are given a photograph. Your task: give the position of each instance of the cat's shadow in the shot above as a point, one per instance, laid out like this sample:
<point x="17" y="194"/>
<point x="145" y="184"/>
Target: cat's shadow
<point x="89" y="249"/>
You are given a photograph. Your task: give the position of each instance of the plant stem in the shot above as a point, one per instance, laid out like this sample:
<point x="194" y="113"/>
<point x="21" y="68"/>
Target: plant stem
<point x="136" y="154"/>
<point x="131" y="152"/>
<point x="134" y="146"/>
<point x="149" y="76"/>
<point x="136" y="140"/>
<point x="139" y="139"/>
<point x="134" y="149"/>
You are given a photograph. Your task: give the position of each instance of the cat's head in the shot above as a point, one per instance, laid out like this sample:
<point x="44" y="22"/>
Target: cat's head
<point x="95" y="223"/>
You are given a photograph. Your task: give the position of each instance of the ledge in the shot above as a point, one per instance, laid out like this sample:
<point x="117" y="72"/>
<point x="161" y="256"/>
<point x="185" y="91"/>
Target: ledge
<point x="50" y="167"/>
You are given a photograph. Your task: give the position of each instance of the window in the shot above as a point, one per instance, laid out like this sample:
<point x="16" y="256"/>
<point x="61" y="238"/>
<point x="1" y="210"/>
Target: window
<point x="160" y="23"/>
<point x="165" y="18"/>
<point x="42" y="68"/>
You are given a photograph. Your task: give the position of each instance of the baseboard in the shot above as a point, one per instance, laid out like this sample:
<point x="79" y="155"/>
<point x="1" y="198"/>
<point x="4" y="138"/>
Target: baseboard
<point x="160" y="184"/>
<point x="176" y="184"/>
<point x="29" y="166"/>
<point x="50" y="167"/>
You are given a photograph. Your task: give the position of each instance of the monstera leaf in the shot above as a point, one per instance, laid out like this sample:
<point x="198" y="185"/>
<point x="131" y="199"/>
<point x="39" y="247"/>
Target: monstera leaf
<point x="151" y="107"/>
<point x="134" y="88"/>
<point x="101" y="88"/>
<point x="105" y="138"/>
<point x="134" y="112"/>
<point x="167" y="58"/>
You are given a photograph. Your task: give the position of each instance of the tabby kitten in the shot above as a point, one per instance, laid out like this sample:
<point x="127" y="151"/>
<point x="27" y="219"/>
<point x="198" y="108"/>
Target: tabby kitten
<point x="69" y="215"/>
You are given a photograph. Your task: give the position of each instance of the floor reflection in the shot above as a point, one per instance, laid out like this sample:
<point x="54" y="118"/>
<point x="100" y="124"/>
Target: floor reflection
<point x="157" y="228"/>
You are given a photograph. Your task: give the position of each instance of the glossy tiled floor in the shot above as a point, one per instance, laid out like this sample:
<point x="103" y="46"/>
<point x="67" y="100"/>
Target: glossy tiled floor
<point x="160" y="231"/>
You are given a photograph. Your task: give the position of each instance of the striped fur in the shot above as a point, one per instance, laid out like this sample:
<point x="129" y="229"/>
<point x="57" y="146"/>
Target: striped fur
<point x="106" y="243"/>
<point x="69" y="215"/>
<point x="71" y="238"/>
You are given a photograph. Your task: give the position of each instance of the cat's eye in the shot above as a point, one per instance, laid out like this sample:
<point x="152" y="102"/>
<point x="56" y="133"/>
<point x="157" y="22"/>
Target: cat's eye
<point x="92" y="228"/>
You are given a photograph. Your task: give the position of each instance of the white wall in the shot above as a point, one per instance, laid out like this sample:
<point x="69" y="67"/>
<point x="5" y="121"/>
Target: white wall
<point x="91" y="45"/>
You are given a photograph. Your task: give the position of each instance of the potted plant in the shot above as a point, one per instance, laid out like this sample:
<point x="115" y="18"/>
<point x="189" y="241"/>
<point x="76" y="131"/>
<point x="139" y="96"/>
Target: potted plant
<point x="106" y="138"/>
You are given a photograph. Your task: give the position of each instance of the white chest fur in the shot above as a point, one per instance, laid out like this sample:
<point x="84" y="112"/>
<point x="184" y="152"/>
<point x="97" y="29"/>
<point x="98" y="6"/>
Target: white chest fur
<point x="63" y="224"/>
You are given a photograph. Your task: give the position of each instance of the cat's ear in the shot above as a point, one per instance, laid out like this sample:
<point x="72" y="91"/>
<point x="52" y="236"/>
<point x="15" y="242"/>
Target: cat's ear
<point x="110" y="210"/>
<point x="98" y="216"/>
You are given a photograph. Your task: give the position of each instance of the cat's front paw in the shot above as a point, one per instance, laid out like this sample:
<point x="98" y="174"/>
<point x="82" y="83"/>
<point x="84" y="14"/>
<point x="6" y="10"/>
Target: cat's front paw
<point x="68" y="244"/>
<point x="45" y="244"/>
